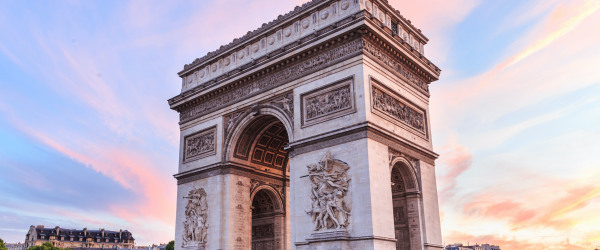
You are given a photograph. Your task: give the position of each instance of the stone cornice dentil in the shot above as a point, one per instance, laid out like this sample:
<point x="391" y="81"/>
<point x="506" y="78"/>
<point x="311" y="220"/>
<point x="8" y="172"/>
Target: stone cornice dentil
<point x="294" y="25"/>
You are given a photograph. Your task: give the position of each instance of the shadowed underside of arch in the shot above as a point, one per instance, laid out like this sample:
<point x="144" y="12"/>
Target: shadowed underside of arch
<point x="262" y="143"/>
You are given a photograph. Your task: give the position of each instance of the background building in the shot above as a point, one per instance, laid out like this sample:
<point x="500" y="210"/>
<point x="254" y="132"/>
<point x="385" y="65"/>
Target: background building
<point x="15" y="246"/>
<point x="71" y="238"/>
<point x="459" y="246"/>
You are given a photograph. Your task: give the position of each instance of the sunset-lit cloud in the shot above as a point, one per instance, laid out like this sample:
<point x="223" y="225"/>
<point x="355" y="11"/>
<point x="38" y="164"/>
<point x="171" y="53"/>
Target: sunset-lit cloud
<point x="88" y="139"/>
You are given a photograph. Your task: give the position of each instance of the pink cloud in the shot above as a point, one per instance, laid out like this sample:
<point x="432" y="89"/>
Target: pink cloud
<point x="455" y="159"/>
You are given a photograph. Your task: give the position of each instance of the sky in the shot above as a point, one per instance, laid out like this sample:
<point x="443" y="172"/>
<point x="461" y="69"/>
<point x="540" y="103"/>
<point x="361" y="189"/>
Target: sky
<point x="87" y="138"/>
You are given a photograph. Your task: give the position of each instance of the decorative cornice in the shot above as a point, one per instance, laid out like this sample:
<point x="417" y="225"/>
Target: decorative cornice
<point x="251" y="34"/>
<point x="329" y="53"/>
<point x="282" y="19"/>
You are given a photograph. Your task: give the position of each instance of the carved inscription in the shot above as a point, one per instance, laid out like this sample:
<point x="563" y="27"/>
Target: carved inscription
<point x="329" y="193"/>
<point x="397" y="109"/>
<point x="195" y="226"/>
<point x="200" y="144"/>
<point x="329" y="102"/>
<point x="279" y="77"/>
<point x="375" y="52"/>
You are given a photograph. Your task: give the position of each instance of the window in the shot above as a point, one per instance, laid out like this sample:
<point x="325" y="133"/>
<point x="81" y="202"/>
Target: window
<point x="394" y="28"/>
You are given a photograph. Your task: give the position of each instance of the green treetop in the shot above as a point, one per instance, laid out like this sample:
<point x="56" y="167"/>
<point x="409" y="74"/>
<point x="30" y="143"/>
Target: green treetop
<point x="46" y="246"/>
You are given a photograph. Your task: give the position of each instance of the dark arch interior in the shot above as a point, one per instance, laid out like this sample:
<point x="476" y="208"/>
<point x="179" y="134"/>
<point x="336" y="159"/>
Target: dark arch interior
<point x="400" y="210"/>
<point x="263" y="143"/>
<point x="263" y="226"/>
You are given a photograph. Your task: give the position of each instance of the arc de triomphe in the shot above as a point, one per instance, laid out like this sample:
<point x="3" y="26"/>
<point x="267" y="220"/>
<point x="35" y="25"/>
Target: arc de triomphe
<point x="311" y="132"/>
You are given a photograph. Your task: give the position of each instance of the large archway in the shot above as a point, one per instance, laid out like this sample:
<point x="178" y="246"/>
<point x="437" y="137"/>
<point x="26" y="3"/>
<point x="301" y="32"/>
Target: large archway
<point x="401" y="230"/>
<point x="405" y="193"/>
<point x="259" y="146"/>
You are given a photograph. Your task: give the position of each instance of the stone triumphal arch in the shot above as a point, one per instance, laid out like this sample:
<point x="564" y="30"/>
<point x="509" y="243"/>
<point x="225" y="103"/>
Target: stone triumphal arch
<point x="311" y="132"/>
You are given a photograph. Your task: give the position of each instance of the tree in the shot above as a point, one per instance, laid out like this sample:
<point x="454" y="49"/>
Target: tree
<point x="46" y="246"/>
<point x="170" y="246"/>
<point x="2" y="245"/>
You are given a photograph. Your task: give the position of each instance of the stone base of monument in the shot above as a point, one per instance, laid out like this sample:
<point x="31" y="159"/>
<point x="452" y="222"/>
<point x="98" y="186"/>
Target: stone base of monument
<point x="198" y="246"/>
<point x="329" y="236"/>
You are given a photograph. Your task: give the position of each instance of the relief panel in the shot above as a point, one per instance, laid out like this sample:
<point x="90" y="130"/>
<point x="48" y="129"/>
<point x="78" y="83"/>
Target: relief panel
<point x="200" y="144"/>
<point x="397" y="109"/>
<point x="328" y="103"/>
<point x="195" y="226"/>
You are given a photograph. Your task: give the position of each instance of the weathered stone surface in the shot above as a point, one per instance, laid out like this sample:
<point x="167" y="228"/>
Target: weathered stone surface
<point x="310" y="133"/>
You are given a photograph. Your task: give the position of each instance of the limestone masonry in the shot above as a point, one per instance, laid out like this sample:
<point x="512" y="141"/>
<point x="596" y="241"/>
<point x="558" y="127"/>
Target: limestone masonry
<point x="311" y="132"/>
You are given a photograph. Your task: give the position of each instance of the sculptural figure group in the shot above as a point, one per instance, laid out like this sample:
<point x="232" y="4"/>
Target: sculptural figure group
<point x="195" y="225"/>
<point x="330" y="205"/>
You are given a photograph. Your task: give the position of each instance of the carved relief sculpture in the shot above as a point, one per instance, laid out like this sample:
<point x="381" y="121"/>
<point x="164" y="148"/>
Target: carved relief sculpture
<point x="331" y="205"/>
<point x="195" y="226"/>
<point x="200" y="144"/>
<point x="398" y="110"/>
<point x="322" y="104"/>
<point x="286" y="103"/>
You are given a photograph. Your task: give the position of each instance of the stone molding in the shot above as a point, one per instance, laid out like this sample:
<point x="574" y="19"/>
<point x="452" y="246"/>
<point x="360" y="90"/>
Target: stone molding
<point x="325" y="55"/>
<point x="413" y="185"/>
<point x="392" y="60"/>
<point x="329" y="102"/>
<point x="393" y="107"/>
<point x="229" y="168"/>
<point x="200" y="144"/>
<point x="283" y="102"/>
<point x="306" y="63"/>
<point x="278" y="187"/>
<point x="320" y="11"/>
<point x="361" y="131"/>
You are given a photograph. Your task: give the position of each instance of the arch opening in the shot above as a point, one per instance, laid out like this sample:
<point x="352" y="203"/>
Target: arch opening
<point x="261" y="145"/>
<point x="264" y="220"/>
<point x="400" y="183"/>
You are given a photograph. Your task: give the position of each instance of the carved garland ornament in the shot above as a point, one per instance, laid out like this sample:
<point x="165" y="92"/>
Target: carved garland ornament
<point x="331" y="205"/>
<point x="195" y="226"/>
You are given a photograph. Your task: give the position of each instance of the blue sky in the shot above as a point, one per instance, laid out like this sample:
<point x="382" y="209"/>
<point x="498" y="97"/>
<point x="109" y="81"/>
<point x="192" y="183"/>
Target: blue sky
<point x="87" y="138"/>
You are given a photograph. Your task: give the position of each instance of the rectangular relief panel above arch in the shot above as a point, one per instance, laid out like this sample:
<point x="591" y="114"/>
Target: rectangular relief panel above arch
<point x="200" y="144"/>
<point x="397" y="109"/>
<point x="328" y="102"/>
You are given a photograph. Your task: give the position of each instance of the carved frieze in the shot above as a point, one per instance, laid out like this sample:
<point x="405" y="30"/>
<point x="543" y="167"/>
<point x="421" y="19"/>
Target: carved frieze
<point x="200" y="144"/>
<point x="328" y="103"/>
<point x="195" y="226"/>
<point x="382" y="56"/>
<point x="396" y="107"/>
<point x="331" y="204"/>
<point x="299" y="68"/>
